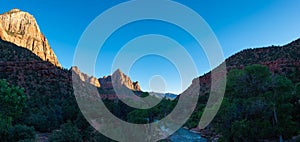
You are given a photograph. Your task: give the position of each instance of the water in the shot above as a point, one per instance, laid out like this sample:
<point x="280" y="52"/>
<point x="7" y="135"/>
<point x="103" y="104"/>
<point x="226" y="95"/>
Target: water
<point x="184" y="135"/>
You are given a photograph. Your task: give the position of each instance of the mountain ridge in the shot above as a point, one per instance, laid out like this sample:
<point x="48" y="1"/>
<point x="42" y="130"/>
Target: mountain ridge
<point x="281" y="60"/>
<point x="105" y="82"/>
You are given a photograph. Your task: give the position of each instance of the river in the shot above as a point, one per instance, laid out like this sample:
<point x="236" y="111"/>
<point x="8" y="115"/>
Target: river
<point x="184" y="135"/>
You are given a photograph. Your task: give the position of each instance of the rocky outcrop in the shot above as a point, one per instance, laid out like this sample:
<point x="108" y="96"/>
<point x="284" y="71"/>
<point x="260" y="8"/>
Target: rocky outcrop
<point x="22" y="29"/>
<point x="121" y="78"/>
<point x="85" y="78"/>
<point x="105" y="82"/>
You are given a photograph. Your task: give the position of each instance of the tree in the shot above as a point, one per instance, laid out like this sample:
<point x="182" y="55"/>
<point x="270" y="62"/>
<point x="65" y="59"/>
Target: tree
<point x="12" y="101"/>
<point x="298" y="89"/>
<point x="68" y="132"/>
<point x="138" y="116"/>
<point x="259" y="102"/>
<point x="249" y="82"/>
<point x="296" y="110"/>
<point x="281" y="89"/>
<point x="21" y="133"/>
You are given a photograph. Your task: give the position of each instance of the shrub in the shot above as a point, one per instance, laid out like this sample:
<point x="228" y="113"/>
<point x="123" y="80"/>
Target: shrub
<point x="12" y="101"/>
<point x="22" y="132"/>
<point x="68" y="132"/>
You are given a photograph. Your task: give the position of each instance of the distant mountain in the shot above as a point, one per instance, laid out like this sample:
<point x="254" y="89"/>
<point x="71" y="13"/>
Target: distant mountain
<point x="106" y="81"/>
<point x="169" y="96"/>
<point x="119" y="76"/>
<point x="283" y="60"/>
<point x="86" y="78"/>
<point x="21" y="28"/>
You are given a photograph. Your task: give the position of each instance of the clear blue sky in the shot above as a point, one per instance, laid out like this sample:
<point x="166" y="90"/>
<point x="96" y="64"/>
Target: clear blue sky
<point x="238" y="24"/>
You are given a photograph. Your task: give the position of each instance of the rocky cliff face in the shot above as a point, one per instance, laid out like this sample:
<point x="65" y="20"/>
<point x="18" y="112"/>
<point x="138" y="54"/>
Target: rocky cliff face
<point x="84" y="77"/>
<point x="21" y="29"/>
<point x="122" y="79"/>
<point x="105" y="83"/>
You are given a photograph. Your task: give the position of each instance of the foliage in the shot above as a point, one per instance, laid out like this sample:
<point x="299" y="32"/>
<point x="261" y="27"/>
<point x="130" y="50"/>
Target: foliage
<point x="68" y="132"/>
<point x="91" y="135"/>
<point x="138" y="117"/>
<point x="257" y="105"/>
<point x="12" y="101"/>
<point x="22" y="132"/>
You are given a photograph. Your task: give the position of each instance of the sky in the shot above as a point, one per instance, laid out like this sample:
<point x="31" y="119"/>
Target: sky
<point x="237" y="24"/>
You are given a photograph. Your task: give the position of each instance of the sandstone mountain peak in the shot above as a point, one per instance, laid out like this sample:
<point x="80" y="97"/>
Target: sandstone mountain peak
<point x="118" y="71"/>
<point x="118" y="75"/>
<point x="21" y="28"/>
<point x="14" y="10"/>
<point x="84" y="77"/>
<point x="121" y="79"/>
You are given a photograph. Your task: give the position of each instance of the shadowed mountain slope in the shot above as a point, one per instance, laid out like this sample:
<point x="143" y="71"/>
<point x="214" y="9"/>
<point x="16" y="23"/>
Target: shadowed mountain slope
<point x="283" y="60"/>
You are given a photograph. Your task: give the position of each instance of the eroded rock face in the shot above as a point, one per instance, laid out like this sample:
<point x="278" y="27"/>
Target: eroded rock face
<point x="124" y="80"/>
<point x="84" y="77"/>
<point x="105" y="82"/>
<point x="21" y="29"/>
<point x="121" y="79"/>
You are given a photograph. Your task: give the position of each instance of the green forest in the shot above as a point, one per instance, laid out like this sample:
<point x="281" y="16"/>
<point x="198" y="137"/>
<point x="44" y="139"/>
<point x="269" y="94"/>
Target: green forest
<point x="258" y="105"/>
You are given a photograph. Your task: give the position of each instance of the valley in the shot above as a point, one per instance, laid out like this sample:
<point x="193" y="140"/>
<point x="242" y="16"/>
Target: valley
<point x="261" y="103"/>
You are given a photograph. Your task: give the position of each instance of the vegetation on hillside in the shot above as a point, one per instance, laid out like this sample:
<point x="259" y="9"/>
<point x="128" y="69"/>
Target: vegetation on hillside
<point x="258" y="105"/>
<point x="12" y="102"/>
